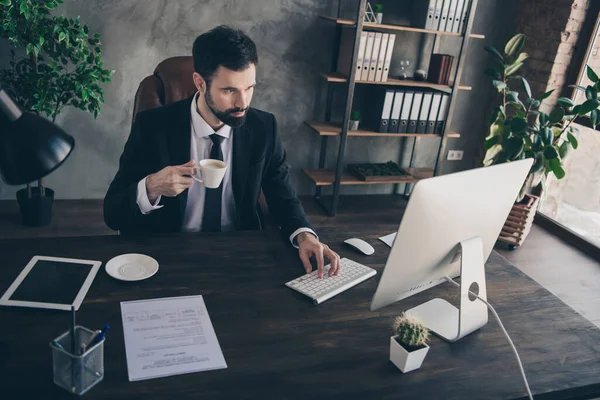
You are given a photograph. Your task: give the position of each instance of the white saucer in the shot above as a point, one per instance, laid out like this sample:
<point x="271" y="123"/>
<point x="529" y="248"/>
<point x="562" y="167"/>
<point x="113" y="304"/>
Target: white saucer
<point x="131" y="267"/>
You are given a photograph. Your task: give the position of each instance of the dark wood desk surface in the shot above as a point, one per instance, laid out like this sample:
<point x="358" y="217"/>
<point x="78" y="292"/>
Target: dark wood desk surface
<point x="278" y="344"/>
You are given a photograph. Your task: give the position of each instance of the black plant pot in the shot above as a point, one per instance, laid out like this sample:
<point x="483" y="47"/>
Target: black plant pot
<point x="36" y="210"/>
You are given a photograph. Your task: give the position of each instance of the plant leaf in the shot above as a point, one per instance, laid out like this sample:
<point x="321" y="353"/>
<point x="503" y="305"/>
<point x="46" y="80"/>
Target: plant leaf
<point x="557" y="115"/>
<point x="544" y="118"/>
<point x="489" y="143"/>
<point x="512" y="68"/>
<point x="526" y="86"/>
<point x="537" y="142"/>
<point x="518" y="125"/>
<point x="565" y="102"/>
<point x="492" y="50"/>
<point x="499" y="85"/>
<point x="572" y="140"/>
<point x="592" y="75"/>
<point x="590" y="93"/>
<point x="5" y="2"/>
<point x="550" y="153"/>
<point x="547" y="136"/>
<point x="61" y="37"/>
<point x="514" y="45"/>
<point x="588" y="106"/>
<point x="547" y="94"/>
<point x="563" y="150"/>
<point x="491" y="154"/>
<point x="595" y="118"/>
<point x="577" y="87"/>
<point x="514" y="147"/>
<point x="557" y="168"/>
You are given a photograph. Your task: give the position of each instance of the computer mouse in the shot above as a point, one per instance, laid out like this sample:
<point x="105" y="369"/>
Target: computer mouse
<point x="360" y="245"/>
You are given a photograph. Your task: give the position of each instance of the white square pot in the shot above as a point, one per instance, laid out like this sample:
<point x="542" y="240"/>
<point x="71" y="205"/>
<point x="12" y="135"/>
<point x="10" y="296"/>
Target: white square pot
<point x="404" y="360"/>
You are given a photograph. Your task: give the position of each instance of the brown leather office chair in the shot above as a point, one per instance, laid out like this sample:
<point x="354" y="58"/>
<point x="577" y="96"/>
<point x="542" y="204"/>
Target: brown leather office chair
<point x="172" y="81"/>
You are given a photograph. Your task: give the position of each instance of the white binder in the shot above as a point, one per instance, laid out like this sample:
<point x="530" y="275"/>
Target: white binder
<point x="388" y="57"/>
<point x="451" y="14"/>
<point x="433" y="115"/>
<point x="437" y="15"/>
<point x="381" y="57"/>
<point x="405" y="112"/>
<point x="367" y="58"/>
<point x="442" y="115"/>
<point x="374" y="55"/>
<point x="429" y="24"/>
<point x="396" y="108"/>
<point x="361" y="53"/>
<point x="386" y="111"/>
<point x="414" y="112"/>
<point x="458" y="16"/>
<point x="424" y="114"/>
<point x="444" y="15"/>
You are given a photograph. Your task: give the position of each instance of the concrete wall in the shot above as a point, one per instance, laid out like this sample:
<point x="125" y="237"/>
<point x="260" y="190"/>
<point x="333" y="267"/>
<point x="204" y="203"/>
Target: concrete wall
<point x="293" y="44"/>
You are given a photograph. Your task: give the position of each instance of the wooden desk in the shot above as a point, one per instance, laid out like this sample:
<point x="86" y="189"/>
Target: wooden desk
<point x="278" y="345"/>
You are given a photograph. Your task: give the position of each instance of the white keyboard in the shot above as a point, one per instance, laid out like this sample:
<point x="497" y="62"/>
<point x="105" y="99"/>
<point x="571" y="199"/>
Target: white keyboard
<point x="351" y="274"/>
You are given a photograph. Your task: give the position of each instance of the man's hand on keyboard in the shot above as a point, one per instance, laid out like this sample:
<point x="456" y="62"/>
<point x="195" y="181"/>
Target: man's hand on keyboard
<point x="310" y="246"/>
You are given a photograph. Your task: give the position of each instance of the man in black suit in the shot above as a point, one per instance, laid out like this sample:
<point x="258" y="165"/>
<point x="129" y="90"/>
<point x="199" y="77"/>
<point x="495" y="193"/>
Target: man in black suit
<point x="153" y="190"/>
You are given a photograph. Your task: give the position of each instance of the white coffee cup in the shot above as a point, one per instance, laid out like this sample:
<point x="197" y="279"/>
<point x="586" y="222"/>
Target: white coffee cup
<point x="211" y="172"/>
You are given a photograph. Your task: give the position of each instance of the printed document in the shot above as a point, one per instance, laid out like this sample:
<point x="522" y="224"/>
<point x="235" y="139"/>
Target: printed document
<point x="169" y="336"/>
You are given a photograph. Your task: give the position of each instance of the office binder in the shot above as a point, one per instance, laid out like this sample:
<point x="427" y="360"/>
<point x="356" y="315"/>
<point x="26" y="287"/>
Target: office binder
<point x="424" y="114"/>
<point x="444" y="15"/>
<point x="396" y="108"/>
<point x="451" y="14"/>
<point x="439" y="129"/>
<point x="405" y="112"/>
<point x="374" y="56"/>
<point x="388" y="57"/>
<point x="414" y="112"/>
<point x="465" y="15"/>
<point x="367" y="58"/>
<point x="378" y="111"/>
<point x="458" y="16"/>
<point x="433" y="115"/>
<point x="381" y="58"/>
<point x="437" y="15"/>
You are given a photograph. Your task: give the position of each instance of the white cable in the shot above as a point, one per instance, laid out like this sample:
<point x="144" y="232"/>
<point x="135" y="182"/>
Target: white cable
<point x="505" y="334"/>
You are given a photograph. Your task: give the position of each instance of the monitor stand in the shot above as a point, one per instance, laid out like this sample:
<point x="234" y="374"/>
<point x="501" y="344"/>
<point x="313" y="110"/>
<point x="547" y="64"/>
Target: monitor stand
<point x="446" y="320"/>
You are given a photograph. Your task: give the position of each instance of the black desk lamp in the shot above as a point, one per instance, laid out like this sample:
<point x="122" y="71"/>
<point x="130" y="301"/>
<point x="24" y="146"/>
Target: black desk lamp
<point x="31" y="147"/>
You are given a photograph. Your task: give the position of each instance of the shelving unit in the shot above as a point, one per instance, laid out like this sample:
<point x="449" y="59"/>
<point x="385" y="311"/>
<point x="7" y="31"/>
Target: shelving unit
<point x="338" y="176"/>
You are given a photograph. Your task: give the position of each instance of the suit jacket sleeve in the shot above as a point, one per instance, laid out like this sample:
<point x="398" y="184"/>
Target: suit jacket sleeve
<point x="121" y="211"/>
<point x="279" y="192"/>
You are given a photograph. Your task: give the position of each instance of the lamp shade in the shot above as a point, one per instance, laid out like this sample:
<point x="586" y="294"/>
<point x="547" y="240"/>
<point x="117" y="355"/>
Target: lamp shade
<point x="31" y="147"/>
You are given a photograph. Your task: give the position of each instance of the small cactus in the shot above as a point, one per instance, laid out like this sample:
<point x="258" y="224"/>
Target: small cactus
<point x="412" y="333"/>
<point x="355" y="115"/>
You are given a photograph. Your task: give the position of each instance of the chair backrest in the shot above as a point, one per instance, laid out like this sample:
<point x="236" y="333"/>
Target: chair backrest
<point x="171" y="82"/>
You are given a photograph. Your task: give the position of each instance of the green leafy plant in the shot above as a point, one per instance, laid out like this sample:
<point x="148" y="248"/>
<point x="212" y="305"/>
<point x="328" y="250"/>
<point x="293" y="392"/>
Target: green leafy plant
<point x="519" y="130"/>
<point x="411" y="333"/>
<point x="55" y="61"/>
<point x="378" y="8"/>
<point x="355" y="115"/>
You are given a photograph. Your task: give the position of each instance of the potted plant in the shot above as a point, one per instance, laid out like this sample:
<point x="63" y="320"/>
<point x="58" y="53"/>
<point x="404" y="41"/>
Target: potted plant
<point x="378" y="10"/>
<point x="408" y="347"/>
<point x="354" y="120"/>
<point x="519" y="130"/>
<point x="55" y="63"/>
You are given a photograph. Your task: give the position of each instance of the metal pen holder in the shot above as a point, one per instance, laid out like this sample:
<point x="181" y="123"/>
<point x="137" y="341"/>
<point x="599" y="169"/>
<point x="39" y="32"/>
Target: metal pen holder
<point x="73" y="372"/>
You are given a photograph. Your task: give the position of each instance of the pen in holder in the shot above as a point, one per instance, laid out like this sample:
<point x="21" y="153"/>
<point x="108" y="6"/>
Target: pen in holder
<point x="77" y="372"/>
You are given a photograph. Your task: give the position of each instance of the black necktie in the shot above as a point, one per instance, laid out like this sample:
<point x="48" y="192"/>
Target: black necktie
<point x="211" y="219"/>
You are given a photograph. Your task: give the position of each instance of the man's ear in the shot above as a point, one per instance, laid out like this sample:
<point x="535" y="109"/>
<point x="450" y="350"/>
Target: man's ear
<point x="199" y="82"/>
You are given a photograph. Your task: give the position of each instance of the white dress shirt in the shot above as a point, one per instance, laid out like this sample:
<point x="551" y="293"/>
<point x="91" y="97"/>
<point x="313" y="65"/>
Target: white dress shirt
<point x="200" y="148"/>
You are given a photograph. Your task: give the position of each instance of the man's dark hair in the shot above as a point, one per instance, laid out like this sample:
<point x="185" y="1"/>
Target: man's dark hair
<point x="225" y="46"/>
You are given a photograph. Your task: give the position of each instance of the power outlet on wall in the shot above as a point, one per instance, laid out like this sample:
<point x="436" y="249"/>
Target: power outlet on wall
<point x="454" y="155"/>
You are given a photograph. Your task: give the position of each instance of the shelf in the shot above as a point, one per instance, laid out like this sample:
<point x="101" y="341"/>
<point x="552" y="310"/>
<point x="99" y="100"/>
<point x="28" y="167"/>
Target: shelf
<point x="325" y="177"/>
<point x="341" y="78"/>
<point x="330" y="129"/>
<point x="341" y="21"/>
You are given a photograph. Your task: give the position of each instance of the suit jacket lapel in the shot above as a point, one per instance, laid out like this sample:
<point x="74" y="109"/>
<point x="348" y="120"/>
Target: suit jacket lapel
<point x="180" y="141"/>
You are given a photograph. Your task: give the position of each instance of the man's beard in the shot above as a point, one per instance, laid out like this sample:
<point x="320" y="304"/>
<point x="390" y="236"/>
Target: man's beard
<point x="225" y="116"/>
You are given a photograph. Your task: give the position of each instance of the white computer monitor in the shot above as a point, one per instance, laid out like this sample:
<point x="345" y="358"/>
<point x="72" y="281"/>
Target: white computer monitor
<point x="450" y="225"/>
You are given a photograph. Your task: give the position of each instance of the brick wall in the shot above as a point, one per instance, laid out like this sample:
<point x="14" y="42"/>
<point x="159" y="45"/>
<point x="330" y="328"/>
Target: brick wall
<point x="552" y="28"/>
